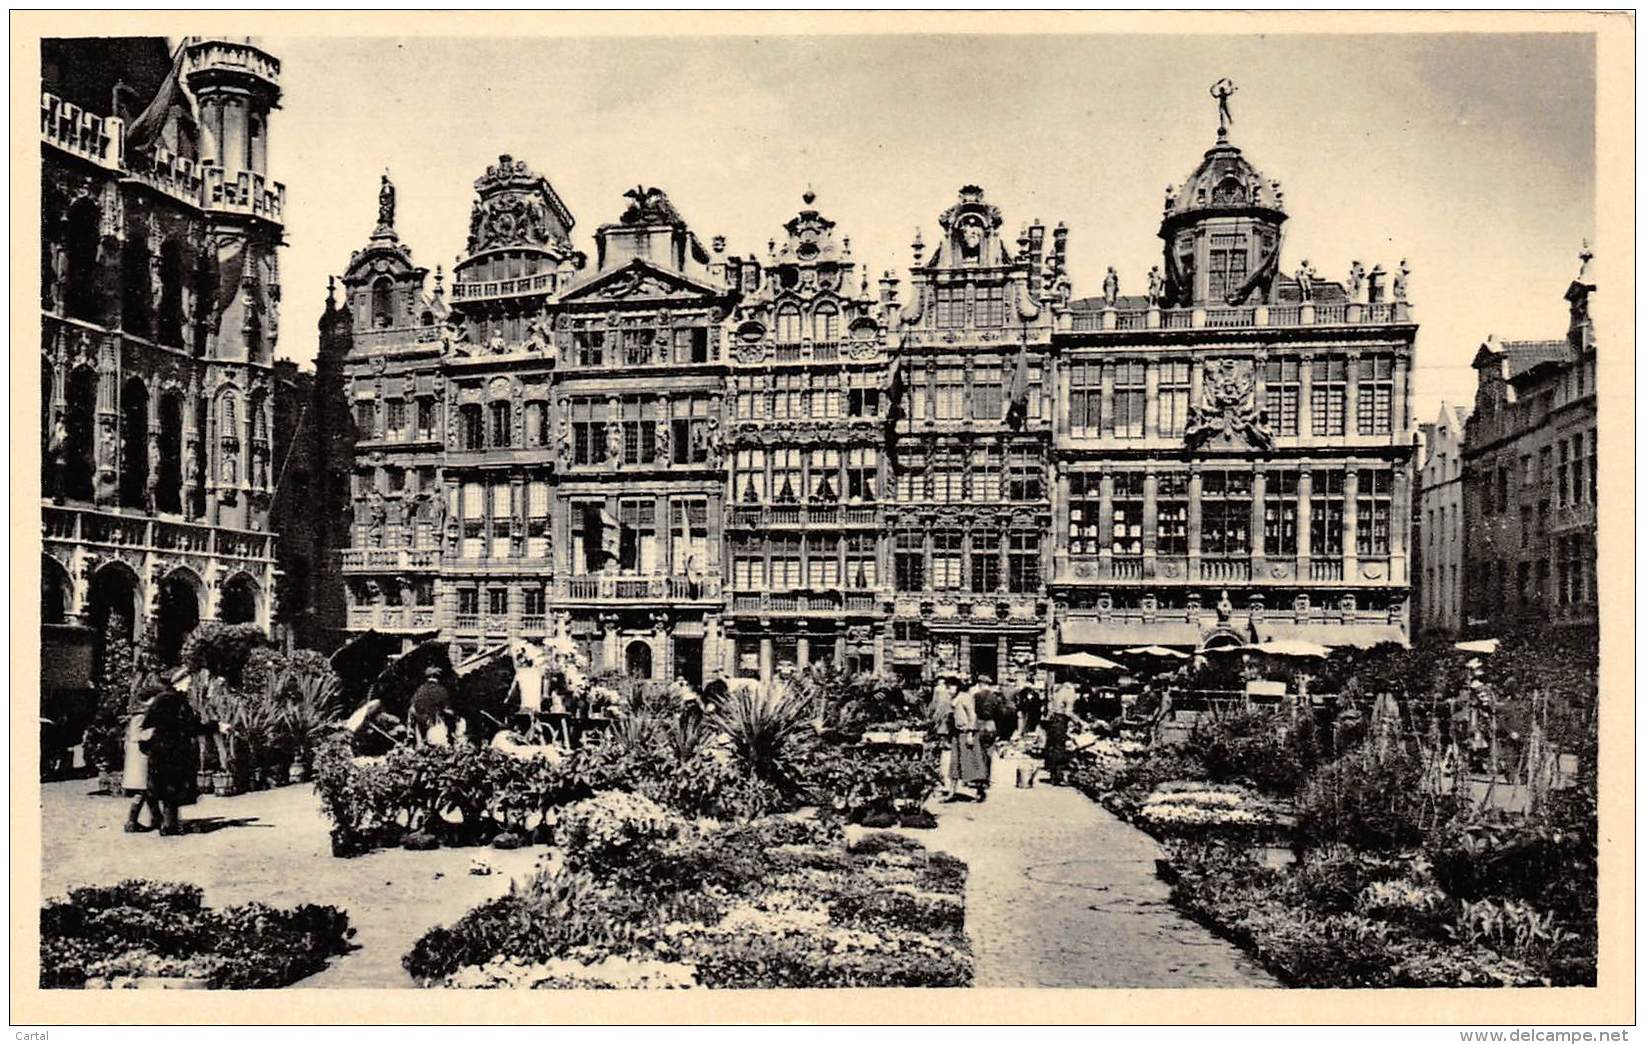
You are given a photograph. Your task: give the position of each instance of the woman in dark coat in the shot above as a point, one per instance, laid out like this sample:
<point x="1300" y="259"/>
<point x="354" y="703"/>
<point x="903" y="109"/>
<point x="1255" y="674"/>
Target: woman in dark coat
<point x="174" y="757"/>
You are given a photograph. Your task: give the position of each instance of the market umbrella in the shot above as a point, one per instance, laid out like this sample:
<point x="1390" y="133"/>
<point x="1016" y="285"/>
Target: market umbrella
<point x="1290" y="648"/>
<point x="1486" y="646"/>
<point x="361" y="659"/>
<point x="1089" y="661"/>
<point x="1162" y="652"/>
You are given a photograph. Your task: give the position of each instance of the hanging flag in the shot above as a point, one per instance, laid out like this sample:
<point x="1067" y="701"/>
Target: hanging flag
<point x="1016" y="414"/>
<point x="611" y="535"/>
<point x="154" y="126"/>
<point x="1262" y="277"/>
<point x="896" y="389"/>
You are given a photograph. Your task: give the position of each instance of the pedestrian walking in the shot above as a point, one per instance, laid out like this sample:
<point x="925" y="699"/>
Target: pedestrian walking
<point x="942" y="719"/>
<point x="1058" y="719"/>
<point x="135" y="775"/>
<point x="971" y="763"/>
<point x="172" y="727"/>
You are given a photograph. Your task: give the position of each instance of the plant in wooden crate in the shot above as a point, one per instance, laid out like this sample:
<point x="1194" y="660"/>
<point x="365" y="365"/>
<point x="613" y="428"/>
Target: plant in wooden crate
<point x="313" y="711"/>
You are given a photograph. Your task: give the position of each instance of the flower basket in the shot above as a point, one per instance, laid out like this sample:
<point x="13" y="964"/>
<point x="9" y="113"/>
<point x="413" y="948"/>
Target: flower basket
<point x="204" y="781"/>
<point x="223" y="783"/>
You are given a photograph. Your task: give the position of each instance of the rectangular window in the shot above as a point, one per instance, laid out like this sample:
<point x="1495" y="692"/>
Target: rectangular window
<point x="985" y="561"/>
<point x="1227" y="266"/>
<point x="1578" y="493"/>
<point x="1325" y="508"/>
<point x="787" y="482"/>
<point x="1023" y="563"/>
<point x="502" y="519"/>
<point x="1130" y="400"/>
<point x="395" y="413"/>
<point x="1279" y="513"/>
<point x="748" y="570"/>
<point x="637" y="345"/>
<point x="862" y="568"/>
<point x="1085" y="398"/>
<point x="950" y="394"/>
<point x="987" y="395"/>
<point x="985" y="474"/>
<point x="365" y="418"/>
<point x="588" y="437"/>
<point x="785" y="563"/>
<point x="948" y="477"/>
<point x="502" y="424"/>
<point x="823" y="475"/>
<point x="945" y="559"/>
<point x="468" y="602"/>
<point x="1593" y="467"/>
<point x="471" y="426"/>
<point x="1173" y="399"/>
<point x="590" y="346"/>
<point x="537" y="523"/>
<point x="864" y="402"/>
<point x="534" y="604"/>
<point x="688" y="537"/>
<point x="1025" y="481"/>
<point x="639" y="442"/>
<point x="1171" y="512"/>
<point x="1284" y="392"/>
<point x="637" y="549"/>
<point x="497" y="602"/>
<point x="1376" y="395"/>
<point x="862" y="469"/>
<point x="1084" y="512"/>
<point x="822" y="562"/>
<point x="1330" y="395"/>
<point x="474" y="520"/>
<point x="1373" y="508"/>
<point x="911" y="476"/>
<point x="1127" y="533"/>
<point x="1225" y="513"/>
<point x="909" y="560"/>
<point x="425" y="419"/>
<point x="748" y="476"/>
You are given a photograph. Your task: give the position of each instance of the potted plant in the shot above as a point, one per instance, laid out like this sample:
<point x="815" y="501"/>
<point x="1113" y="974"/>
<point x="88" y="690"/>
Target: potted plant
<point x="311" y="715"/>
<point x="254" y="719"/>
<point x="105" y="736"/>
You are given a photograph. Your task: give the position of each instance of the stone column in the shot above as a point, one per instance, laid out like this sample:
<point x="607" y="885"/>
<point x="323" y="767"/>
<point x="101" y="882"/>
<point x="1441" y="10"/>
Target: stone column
<point x="1305" y="395"/>
<point x="1150" y="521"/>
<point x="1399" y="526"/>
<point x="1060" y="509"/>
<point x="1350" y="522"/>
<point x="1150" y="412"/>
<point x="1060" y="421"/>
<point x="665" y="538"/>
<point x="802" y="648"/>
<point x="1105" y="525"/>
<point x="1350" y="402"/>
<point x="1305" y="521"/>
<point x="767" y="653"/>
<point x="1402" y="399"/>
<point x="1107" y="428"/>
<point x="1259" y="493"/>
<point x="1195" y="485"/>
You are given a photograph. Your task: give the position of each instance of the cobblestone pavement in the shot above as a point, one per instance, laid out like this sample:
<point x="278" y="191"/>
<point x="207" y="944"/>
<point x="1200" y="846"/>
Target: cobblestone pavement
<point x="275" y="846"/>
<point x="1063" y="894"/>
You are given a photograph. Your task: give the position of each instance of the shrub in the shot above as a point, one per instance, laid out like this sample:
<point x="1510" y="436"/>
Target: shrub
<point x="225" y="650"/>
<point x="609" y="831"/>
<point x="105" y="735"/>
<point x="1252" y="745"/>
<point x="1334" y="878"/>
<point x="857" y="781"/>
<point x="142" y="928"/>
<point x="1371" y="803"/>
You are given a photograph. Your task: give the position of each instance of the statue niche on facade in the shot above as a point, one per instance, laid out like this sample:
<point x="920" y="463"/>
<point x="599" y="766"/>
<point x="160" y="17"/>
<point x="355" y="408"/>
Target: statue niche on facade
<point x="1227" y="410"/>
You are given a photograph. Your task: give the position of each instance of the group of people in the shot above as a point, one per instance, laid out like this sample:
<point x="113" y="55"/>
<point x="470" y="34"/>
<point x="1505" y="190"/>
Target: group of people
<point x="969" y="719"/>
<point x="162" y="762"/>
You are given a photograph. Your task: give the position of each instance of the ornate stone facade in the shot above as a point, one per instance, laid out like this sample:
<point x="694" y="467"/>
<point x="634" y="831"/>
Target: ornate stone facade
<point x="159" y="314"/>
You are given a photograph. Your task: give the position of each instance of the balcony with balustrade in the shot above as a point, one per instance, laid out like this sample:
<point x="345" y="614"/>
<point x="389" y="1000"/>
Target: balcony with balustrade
<point x="1253" y="317"/>
<point x="541" y="283"/>
<point x="1242" y="571"/>
<point x="636" y="590"/>
<point x="802" y="516"/>
<point x="395" y="560"/>
<point x="393" y="619"/>
<point x="112" y="531"/>
<point x="838" y="602"/>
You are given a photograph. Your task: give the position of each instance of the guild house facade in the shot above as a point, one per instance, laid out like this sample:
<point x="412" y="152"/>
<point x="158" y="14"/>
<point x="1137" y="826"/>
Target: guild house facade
<point x="695" y="463"/>
<point x="160" y="289"/>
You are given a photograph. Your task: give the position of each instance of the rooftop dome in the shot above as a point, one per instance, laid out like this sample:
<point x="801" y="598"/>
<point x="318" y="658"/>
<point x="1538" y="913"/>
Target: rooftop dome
<point x="1225" y="181"/>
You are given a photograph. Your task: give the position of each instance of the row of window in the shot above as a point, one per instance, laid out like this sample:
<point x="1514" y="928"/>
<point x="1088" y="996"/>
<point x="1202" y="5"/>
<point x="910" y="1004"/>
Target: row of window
<point x="630" y="540"/>
<point x="1574" y="475"/>
<point x="982" y="560"/>
<point x="788" y="476"/>
<point x="951" y="393"/>
<point x="1527" y="583"/>
<point x="786" y="562"/>
<point x="986" y="474"/>
<point x="1225" y="513"/>
<point x="400" y="420"/>
<point x="805" y="395"/>
<point x="1110" y="398"/>
<point x="595" y="345"/>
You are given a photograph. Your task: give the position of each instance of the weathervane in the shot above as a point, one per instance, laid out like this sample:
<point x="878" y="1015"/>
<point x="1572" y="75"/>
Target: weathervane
<point x="1222" y="90"/>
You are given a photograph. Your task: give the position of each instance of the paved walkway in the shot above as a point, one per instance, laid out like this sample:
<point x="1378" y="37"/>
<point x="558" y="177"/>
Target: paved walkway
<point x="1063" y="894"/>
<point x="275" y="846"/>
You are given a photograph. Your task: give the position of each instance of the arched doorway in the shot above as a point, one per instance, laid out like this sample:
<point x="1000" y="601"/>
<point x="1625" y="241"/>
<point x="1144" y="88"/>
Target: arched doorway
<point x="638" y="659"/>
<point x="114" y="593"/>
<point x="178" y="612"/>
<point x="56" y="591"/>
<point x="134" y="444"/>
<point x="136" y="290"/>
<point x="168" y="487"/>
<point x="239" y="601"/>
<point x="79" y="464"/>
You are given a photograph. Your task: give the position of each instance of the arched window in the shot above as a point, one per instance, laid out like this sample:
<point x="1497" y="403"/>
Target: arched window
<point x="168" y="487"/>
<point x="825" y="323"/>
<point x="134" y="444"/>
<point x="169" y="323"/>
<point x="788" y="325"/>
<point x="382" y="302"/>
<point x="79" y="464"/>
<point x="136" y="287"/>
<point x="80" y="245"/>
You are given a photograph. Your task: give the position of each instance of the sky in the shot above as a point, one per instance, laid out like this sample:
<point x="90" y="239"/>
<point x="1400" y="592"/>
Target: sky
<point x="1470" y="155"/>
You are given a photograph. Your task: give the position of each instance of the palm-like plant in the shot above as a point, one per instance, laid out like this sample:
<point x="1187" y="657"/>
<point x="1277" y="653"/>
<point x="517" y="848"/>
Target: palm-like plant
<point x="314" y="711"/>
<point x="769" y="731"/>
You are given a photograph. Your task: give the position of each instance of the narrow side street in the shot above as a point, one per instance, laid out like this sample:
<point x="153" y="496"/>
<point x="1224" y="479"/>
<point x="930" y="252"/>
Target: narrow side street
<point x="1063" y="894"/>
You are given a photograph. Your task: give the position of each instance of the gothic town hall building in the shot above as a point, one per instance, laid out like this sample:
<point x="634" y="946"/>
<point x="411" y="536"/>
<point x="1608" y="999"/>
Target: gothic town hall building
<point x="695" y="463"/>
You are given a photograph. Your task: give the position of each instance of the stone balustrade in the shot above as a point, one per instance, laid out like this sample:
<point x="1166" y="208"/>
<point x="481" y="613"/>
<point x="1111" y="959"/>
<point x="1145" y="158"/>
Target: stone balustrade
<point x="1236" y="317"/>
<point x="92" y="526"/>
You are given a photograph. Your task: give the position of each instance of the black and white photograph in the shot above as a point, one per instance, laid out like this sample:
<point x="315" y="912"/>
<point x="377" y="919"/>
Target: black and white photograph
<point x="580" y="505"/>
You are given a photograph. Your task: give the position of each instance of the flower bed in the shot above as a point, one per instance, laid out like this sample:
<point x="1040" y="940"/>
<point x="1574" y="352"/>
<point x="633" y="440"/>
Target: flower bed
<point x="1185" y="808"/>
<point x="110" y="936"/>
<point x="1348" y="919"/>
<point x="650" y="900"/>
